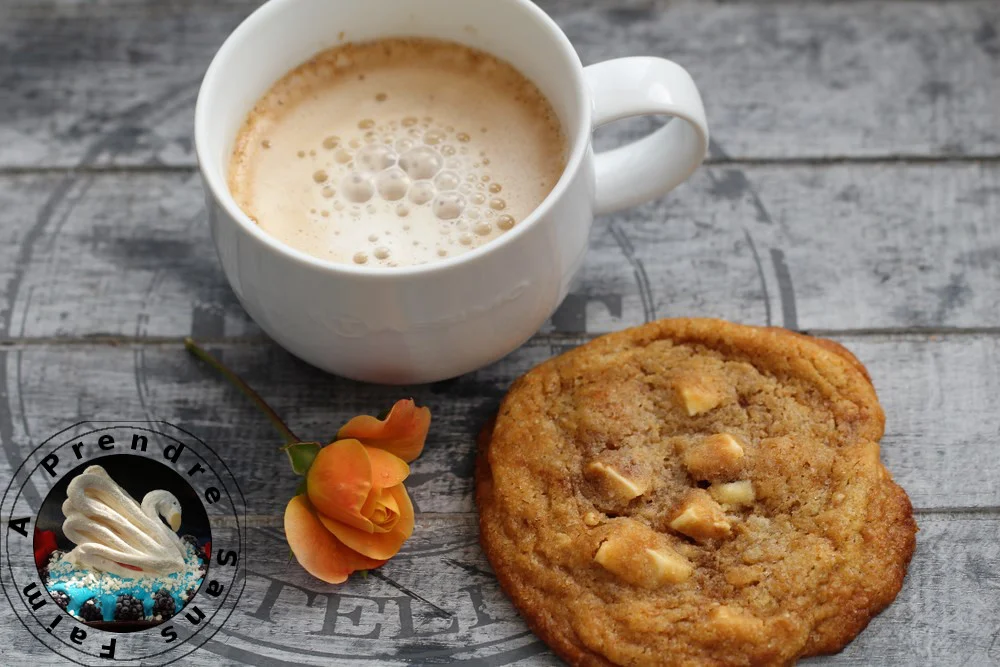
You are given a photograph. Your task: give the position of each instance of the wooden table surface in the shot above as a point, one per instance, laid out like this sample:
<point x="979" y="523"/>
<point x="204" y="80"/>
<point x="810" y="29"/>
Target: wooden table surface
<point x="853" y="191"/>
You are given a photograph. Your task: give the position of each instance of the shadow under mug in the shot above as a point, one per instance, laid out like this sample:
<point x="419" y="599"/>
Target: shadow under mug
<point x="435" y="321"/>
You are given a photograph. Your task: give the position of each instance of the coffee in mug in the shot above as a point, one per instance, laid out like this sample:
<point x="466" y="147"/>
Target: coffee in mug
<point x="396" y="152"/>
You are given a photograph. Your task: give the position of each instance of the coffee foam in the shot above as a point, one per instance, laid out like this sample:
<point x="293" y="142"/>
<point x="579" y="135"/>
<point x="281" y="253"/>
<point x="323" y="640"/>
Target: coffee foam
<point x="396" y="152"/>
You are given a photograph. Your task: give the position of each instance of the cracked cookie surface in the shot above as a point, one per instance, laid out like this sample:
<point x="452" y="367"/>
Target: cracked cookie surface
<point x="694" y="492"/>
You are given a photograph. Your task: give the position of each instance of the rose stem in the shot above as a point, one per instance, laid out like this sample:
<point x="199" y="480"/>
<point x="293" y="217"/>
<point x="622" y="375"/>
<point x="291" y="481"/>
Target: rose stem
<point x="239" y="383"/>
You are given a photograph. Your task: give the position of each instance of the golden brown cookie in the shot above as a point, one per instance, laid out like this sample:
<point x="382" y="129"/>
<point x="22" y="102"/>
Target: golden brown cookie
<point x="694" y="492"/>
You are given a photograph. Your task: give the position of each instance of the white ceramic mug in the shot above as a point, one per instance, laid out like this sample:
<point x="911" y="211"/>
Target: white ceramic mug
<point x="435" y="321"/>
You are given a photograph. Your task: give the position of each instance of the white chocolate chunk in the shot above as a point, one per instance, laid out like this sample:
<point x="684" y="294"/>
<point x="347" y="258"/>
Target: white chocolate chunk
<point x="640" y="556"/>
<point x="618" y="483"/>
<point x="698" y="399"/>
<point x="717" y="457"/>
<point x="737" y="494"/>
<point x="700" y="518"/>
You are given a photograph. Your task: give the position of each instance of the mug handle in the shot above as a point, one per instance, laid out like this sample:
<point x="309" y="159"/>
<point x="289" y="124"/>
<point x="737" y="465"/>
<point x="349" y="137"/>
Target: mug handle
<point x="654" y="165"/>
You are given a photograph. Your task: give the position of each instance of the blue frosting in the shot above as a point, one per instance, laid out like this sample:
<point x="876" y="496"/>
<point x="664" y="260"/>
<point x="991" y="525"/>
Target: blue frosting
<point x="67" y="579"/>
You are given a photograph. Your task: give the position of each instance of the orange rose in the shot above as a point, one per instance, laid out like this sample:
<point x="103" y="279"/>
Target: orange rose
<point x="355" y="513"/>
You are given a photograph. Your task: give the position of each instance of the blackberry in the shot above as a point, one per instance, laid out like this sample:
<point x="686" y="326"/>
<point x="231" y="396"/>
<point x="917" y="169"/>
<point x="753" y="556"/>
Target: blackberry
<point x="128" y="608"/>
<point x="60" y="598"/>
<point x="91" y="611"/>
<point x="163" y="604"/>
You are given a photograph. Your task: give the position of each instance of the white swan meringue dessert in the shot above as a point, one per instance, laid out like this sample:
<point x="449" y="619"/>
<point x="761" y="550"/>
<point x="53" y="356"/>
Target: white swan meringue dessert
<point x="128" y="564"/>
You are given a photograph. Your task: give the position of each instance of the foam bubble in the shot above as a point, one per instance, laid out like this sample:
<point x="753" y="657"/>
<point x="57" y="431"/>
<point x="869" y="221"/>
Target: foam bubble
<point x="421" y="162"/>
<point x="301" y="153"/>
<point x="342" y="156"/>
<point x="381" y="252"/>
<point x="328" y="192"/>
<point x="465" y="239"/>
<point x="495" y="188"/>
<point x="366" y="124"/>
<point x="392" y="184"/>
<point x="404" y="144"/>
<point x="409" y="121"/>
<point x="320" y="176"/>
<point x="266" y="143"/>
<point x="358" y="188"/>
<point x="375" y="158"/>
<point x="447" y="150"/>
<point x="447" y="180"/>
<point x="422" y="192"/>
<point x="402" y="211"/>
<point x="505" y="222"/>
<point x="448" y="205"/>
<point x="478" y="199"/>
<point x="463" y="137"/>
<point x="434" y="137"/>
<point x="360" y="257"/>
<point x="482" y="228"/>
<point x="498" y="204"/>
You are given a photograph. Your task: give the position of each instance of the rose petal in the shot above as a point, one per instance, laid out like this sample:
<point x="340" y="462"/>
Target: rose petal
<point x="402" y="498"/>
<point x="339" y="482"/>
<point x="382" y="546"/>
<point x="316" y="549"/>
<point x="402" y="433"/>
<point x="373" y="499"/>
<point x="389" y="502"/>
<point x="385" y="515"/>
<point x="387" y="468"/>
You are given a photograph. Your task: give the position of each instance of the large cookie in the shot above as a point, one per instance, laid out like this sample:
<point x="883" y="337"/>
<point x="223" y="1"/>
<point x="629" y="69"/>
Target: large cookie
<point x="694" y="492"/>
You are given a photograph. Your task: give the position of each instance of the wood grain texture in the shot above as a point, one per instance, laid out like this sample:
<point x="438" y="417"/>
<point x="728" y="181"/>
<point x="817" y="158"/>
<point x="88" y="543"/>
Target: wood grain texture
<point x="855" y="190"/>
<point x="838" y="247"/>
<point x="114" y="82"/>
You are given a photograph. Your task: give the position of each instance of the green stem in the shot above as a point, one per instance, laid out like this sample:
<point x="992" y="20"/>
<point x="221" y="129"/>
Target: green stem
<point x="238" y="382"/>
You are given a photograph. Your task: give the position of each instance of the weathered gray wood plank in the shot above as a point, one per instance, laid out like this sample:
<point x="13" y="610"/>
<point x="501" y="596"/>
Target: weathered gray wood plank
<point x="939" y="395"/>
<point x="113" y="83"/>
<point x="814" y="247"/>
<point x="946" y="614"/>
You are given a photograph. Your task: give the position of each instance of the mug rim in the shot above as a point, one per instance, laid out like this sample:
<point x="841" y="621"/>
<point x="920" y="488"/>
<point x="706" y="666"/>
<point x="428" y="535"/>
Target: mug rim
<point x="220" y="189"/>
